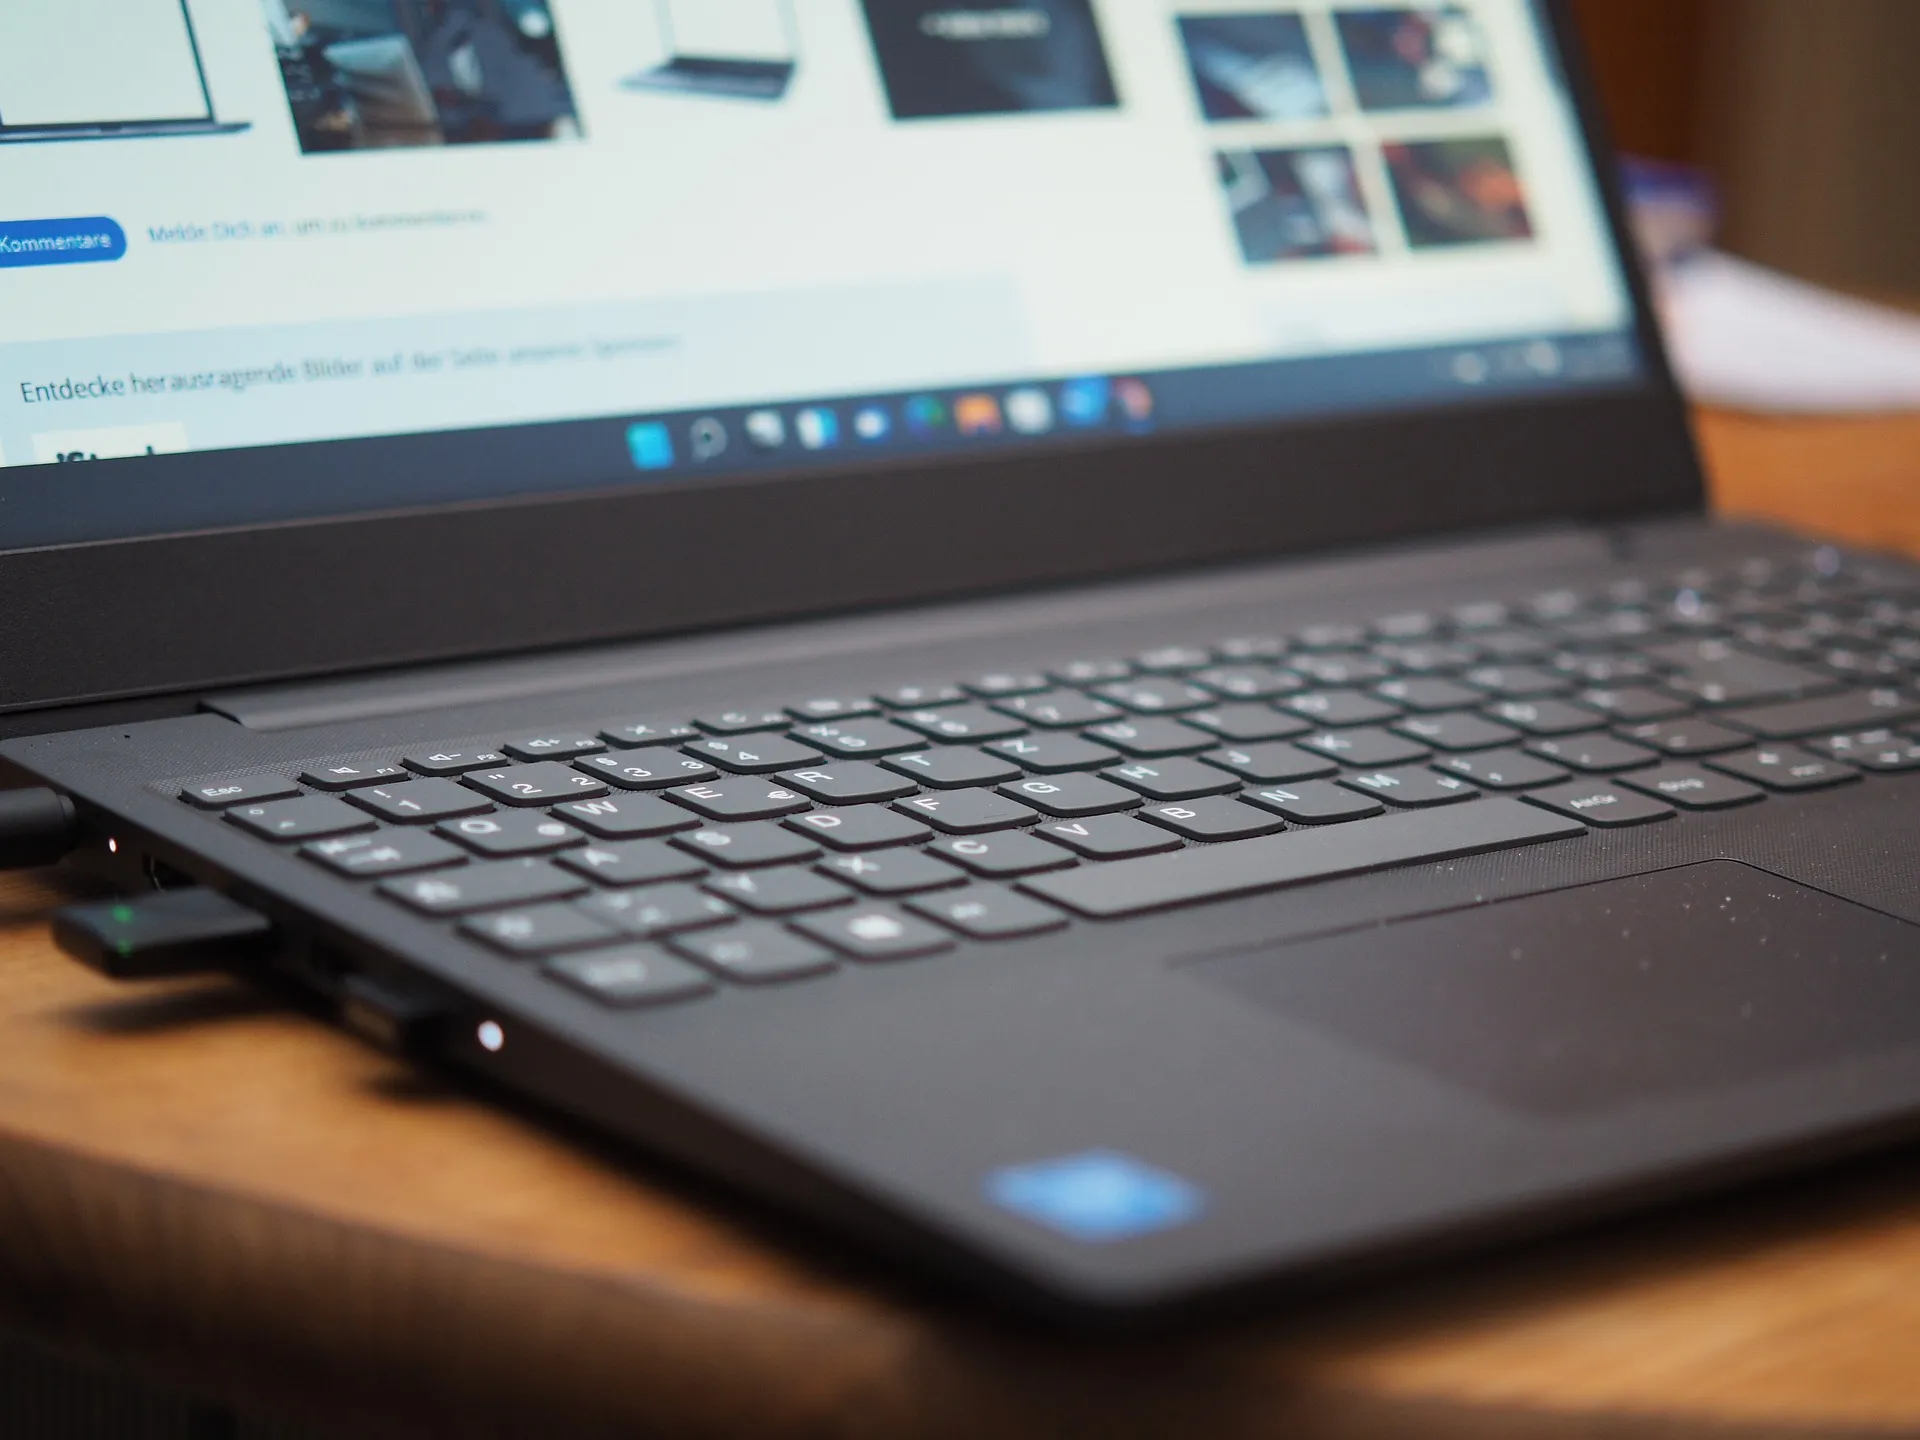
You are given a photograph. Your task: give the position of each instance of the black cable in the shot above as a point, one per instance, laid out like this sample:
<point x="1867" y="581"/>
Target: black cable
<point x="37" y="827"/>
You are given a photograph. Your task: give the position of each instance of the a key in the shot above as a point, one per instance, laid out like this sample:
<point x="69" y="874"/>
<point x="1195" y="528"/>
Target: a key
<point x="350" y="777"/>
<point x="1367" y="747"/>
<point x="1633" y="704"/>
<point x="562" y="746"/>
<point x="753" y="754"/>
<point x="1692" y="788"/>
<point x="420" y="802"/>
<point x="741" y="721"/>
<point x="1058" y="709"/>
<point x="540" y="930"/>
<point x="846" y="738"/>
<point x="954" y="767"/>
<point x="1316" y="803"/>
<point x="1248" y="682"/>
<point x="1150" y="739"/>
<point x="1880" y="751"/>
<point x="1855" y="710"/>
<point x="629" y="976"/>
<point x="1212" y="819"/>
<point x="511" y="832"/>
<point x="625" y="817"/>
<point x="387" y="852"/>
<point x="1071" y="795"/>
<point x="653" y="768"/>
<point x="1457" y="732"/>
<point x="639" y="862"/>
<point x="743" y="847"/>
<point x="1785" y="767"/>
<point x="1053" y="754"/>
<point x="1242" y="724"/>
<point x="1007" y="853"/>
<point x="1155" y="696"/>
<point x="1544" y="717"/>
<point x="1107" y="837"/>
<point x="1428" y="693"/>
<point x="1216" y="872"/>
<point x="849" y="782"/>
<point x="1000" y="683"/>
<point x="308" y="818"/>
<point x="1411" y="789"/>
<point x="645" y="734"/>
<point x="759" y="952"/>
<point x="1692" y="736"/>
<point x="1503" y="769"/>
<point x="740" y="798"/>
<point x="1341" y="707"/>
<point x="967" y="812"/>
<point x="780" y="892"/>
<point x="446" y="761"/>
<point x="829" y="708"/>
<point x="859" y="827"/>
<point x="1599" y="753"/>
<point x="547" y="783"/>
<point x="1172" y="779"/>
<point x="1603" y="802"/>
<point x="875" y="932"/>
<point x="962" y="723"/>
<point x="1269" y="764"/>
<point x="238" y="790"/>
<point x="892" y="872"/>
<point x="658" y="910"/>
<point x="987" y="912"/>
<point x="493" y="886"/>
<point x="1518" y="682"/>
<point x="920" y="697"/>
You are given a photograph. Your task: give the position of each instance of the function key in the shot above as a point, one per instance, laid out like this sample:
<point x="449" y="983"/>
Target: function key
<point x="1331" y="637"/>
<point x="962" y="722"/>
<point x="1785" y="767"/>
<point x="741" y="722"/>
<point x="349" y="777"/>
<point x="307" y="818"/>
<point x="392" y="852"/>
<point x="1694" y="789"/>
<point x="238" y="790"/>
<point x="633" y="734"/>
<point x="759" y="952"/>
<point x="650" y="769"/>
<point x="1091" y="672"/>
<point x="1001" y="683"/>
<point x="916" y="697"/>
<point x="630" y="976"/>
<point x="830" y="709"/>
<point x="554" y="747"/>
<point x="419" y="802"/>
<point x="1601" y="802"/>
<point x="986" y="912"/>
<point x="530" y="785"/>
<point x="1242" y="649"/>
<point x="876" y="932"/>
<point x="754" y="754"/>
<point x="451" y="762"/>
<point x="1173" y="659"/>
<point x="1412" y="789"/>
<point x="1157" y="696"/>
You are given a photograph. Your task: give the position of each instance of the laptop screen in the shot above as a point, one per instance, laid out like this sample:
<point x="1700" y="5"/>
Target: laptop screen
<point x="477" y="249"/>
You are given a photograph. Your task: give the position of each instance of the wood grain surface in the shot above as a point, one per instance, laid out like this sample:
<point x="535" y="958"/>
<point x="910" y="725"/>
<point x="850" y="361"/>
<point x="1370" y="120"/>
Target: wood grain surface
<point x="205" y="1185"/>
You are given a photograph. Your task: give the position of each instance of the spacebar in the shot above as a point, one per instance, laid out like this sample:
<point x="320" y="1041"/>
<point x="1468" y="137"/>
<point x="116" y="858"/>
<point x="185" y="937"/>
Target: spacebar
<point x="1242" y="867"/>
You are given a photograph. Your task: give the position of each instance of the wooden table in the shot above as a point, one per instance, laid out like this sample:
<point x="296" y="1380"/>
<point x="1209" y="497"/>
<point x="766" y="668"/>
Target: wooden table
<point x="198" y="1184"/>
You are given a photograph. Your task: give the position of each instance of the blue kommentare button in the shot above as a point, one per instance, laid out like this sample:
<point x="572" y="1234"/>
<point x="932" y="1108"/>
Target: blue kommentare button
<point x="91" y="240"/>
<point x="1096" y="1196"/>
<point x="651" y="446"/>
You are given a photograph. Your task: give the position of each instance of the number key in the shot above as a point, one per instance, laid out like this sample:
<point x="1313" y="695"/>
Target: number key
<point x="529" y="785"/>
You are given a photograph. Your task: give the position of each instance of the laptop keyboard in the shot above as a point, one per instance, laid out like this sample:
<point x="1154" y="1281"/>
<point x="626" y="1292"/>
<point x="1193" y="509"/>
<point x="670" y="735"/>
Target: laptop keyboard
<point x="643" y="860"/>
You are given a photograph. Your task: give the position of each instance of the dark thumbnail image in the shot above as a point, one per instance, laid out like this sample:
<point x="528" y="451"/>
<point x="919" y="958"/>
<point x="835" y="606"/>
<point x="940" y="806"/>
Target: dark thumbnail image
<point x="1458" y="192"/>
<point x="1425" y="57"/>
<point x="1295" y="204"/>
<point x="948" y="58"/>
<point x="1253" y="67"/>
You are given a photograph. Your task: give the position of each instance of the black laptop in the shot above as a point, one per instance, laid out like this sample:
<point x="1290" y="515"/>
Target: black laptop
<point x="1115" y="754"/>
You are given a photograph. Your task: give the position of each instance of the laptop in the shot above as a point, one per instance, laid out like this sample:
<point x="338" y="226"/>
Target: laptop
<point x="717" y="56"/>
<point x="1115" y="760"/>
<point x="103" y="70"/>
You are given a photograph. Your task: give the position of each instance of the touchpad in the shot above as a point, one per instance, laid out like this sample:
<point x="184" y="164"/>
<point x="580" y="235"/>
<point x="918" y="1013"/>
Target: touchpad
<point x="1688" y="979"/>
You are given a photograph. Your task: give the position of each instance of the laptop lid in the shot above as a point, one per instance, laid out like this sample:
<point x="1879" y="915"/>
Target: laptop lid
<point x="81" y="64"/>
<point x="995" y="295"/>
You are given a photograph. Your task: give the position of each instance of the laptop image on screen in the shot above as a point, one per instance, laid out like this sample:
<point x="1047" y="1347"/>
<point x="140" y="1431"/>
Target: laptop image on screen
<point x="727" y="67"/>
<point x="103" y="70"/>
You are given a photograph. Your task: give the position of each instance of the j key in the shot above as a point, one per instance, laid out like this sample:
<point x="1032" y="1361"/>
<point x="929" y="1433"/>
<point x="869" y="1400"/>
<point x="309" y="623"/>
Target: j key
<point x="1212" y="819"/>
<point x="1428" y="694"/>
<point x="851" y="782"/>
<point x="1857" y="710"/>
<point x="1157" y="882"/>
<point x="661" y="910"/>
<point x="1714" y="672"/>
<point x="746" y="847"/>
<point x="1174" y="779"/>
<point x="1107" y="837"/>
<point x="1503" y="769"/>
<point x="1456" y="732"/>
<point x="1268" y="764"/>
<point x="1784" y="767"/>
<point x="1518" y="682"/>
<point x="1544" y="717"/>
<point x="740" y="798"/>
<point x="1172" y="659"/>
<point x="1341" y="670"/>
<point x="641" y="862"/>
<point x="1150" y="738"/>
<point x="1367" y="747"/>
<point x="1248" y="682"/>
<point x="629" y="976"/>
<point x="1155" y="696"/>
<point x="1595" y="754"/>
<point x="1634" y="704"/>
<point x="875" y="932"/>
<point x="554" y="747"/>
<point x="653" y="768"/>
<point x="1013" y="852"/>
<point x="528" y="785"/>
<point x="1091" y="672"/>
<point x="917" y="697"/>
<point x="540" y="930"/>
<point x="757" y="953"/>
<point x="1688" y="737"/>
<point x="780" y="892"/>
<point x="625" y="817"/>
<point x="892" y="872"/>
<point x="1341" y="707"/>
<point x="512" y="832"/>
<point x="1058" y="709"/>
<point x="350" y="777"/>
<point x="962" y="723"/>
<point x="1878" y="750"/>
<point x="493" y="886"/>
<point x="859" y="827"/>
<point x="967" y="812"/>
<point x="957" y="767"/>
<point x="1601" y="802"/>
<point x="420" y="802"/>
<point x="1053" y="754"/>
<point x="832" y="709"/>
<point x="1071" y="795"/>
<point x="986" y="912"/>
<point x="219" y="794"/>
<point x="742" y="722"/>
<point x="452" y="762"/>
<point x="645" y="734"/>
<point x="1005" y="682"/>
<point x="859" y="737"/>
<point x="1316" y="803"/>
<point x="1243" y="723"/>
<point x="1411" y="789"/>
<point x="392" y="852"/>
<point x="1694" y="789"/>
<point x="754" y="754"/>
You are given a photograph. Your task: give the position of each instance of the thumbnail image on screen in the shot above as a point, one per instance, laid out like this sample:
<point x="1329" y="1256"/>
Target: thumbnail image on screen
<point x="1253" y="67"/>
<point x="1458" y="192"/>
<point x="1294" y="204"/>
<point x="384" y="74"/>
<point x="1424" y="57"/>
<point x="949" y="58"/>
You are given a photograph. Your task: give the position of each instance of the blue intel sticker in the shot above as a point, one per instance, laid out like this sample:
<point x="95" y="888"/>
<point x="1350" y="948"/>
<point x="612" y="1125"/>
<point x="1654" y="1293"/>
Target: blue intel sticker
<point x="1096" y="1196"/>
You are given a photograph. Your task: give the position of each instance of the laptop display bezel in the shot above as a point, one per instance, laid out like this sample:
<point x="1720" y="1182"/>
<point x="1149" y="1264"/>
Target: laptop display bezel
<point x="158" y="122"/>
<point x="177" y="614"/>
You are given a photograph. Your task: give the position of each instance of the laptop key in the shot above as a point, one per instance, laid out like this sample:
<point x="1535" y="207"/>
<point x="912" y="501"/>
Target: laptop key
<point x="1634" y="704"/>
<point x="651" y="768"/>
<point x="1058" y="709"/>
<point x="954" y="767"/>
<point x="740" y="798"/>
<point x="536" y="748"/>
<point x="851" y="782"/>
<point x="1692" y="788"/>
<point x="1150" y="739"/>
<point x="1071" y="795"/>
<point x="892" y="872"/>
<point x="1716" y="673"/>
<point x="657" y="910"/>
<point x="629" y="976"/>
<point x="1242" y="724"/>
<point x="625" y="817"/>
<point x="1341" y="707"/>
<point x="1161" y="696"/>
<point x="1249" y="682"/>
<point x="447" y="761"/>
<point x="1053" y="754"/>
<point x="1107" y="837"/>
<point x="641" y="862"/>
<point x="918" y="697"/>
<point x="1428" y="693"/>
<point x="1785" y="767"/>
<point x="1544" y="717"/>
<point x="1600" y="802"/>
<point x="350" y="777"/>
<point x="1001" y="683"/>
<point x="828" y="708"/>
<point x="967" y="812"/>
<point x="1599" y="753"/>
<point x="780" y="892"/>
<point x="1091" y="672"/>
<point x="420" y="802"/>
<point x="759" y="952"/>
<point x="493" y="886"/>
<point x="645" y="734"/>
<point x="1316" y="803"/>
<point x="852" y="738"/>
<point x="238" y="790"/>
<point x="754" y="754"/>
<point x="962" y="723"/>
<point x="1008" y="853"/>
<point x="744" y="847"/>
<point x="307" y="818"/>
<point x="511" y="832"/>
<point x="1458" y="732"/>
<point x="1212" y="819"/>
<point x="540" y="930"/>
<point x="876" y="932"/>
<point x="1518" y="682"/>
<point x="1341" y="671"/>
<point x="389" y="852"/>
<point x="860" y="827"/>
<point x="1503" y="769"/>
<point x="1856" y="710"/>
<point x="1412" y="789"/>
<point x="1688" y="737"/>
<point x="1270" y="764"/>
<point x="1366" y="748"/>
<point x="547" y="783"/>
<point x="987" y="912"/>
<point x="1172" y="779"/>
<point x="1880" y="751"/>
